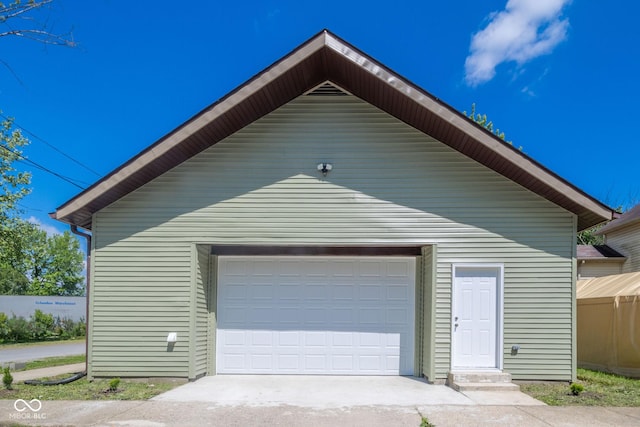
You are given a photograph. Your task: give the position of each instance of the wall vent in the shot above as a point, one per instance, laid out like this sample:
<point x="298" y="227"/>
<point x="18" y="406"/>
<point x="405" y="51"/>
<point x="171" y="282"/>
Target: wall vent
<point x="326" y="89"/>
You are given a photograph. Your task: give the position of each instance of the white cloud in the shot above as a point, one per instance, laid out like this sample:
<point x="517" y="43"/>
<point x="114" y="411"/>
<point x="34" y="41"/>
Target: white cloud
<point x="49" y="229"/>
<point x="525" y="30"/>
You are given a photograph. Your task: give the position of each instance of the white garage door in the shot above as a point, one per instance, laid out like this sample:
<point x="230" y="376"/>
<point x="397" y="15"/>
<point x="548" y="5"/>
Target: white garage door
<point x="315" y="315"/>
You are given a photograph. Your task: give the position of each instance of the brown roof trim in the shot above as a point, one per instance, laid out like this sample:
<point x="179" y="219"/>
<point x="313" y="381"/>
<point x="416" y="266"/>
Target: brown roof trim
<point x="325" y="57"/>
<point x="630" y="217"/>
<point x="295" y="250"/>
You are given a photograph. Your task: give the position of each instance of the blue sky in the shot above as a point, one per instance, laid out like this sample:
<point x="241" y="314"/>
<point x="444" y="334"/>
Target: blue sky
<point x="559" y="77"/>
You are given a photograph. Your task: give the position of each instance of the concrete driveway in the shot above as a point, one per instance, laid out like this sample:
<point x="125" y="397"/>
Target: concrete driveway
<point x="331" y="392"/>
<point x="317" y="401"/>
<point x="235" y="400"/>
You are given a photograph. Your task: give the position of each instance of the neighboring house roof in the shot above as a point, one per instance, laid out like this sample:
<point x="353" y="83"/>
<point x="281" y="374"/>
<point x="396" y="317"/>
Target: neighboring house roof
<point x="627" y="284"/>
<point x="632" y="216"/>
<point x="599" y="252"/>
<point x="325" y="57"/>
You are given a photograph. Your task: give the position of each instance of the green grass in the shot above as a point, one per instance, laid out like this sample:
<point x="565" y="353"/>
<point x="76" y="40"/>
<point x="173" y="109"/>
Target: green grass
<point x="83" y="389"/>
<point x="600" y="389"/>
<point x="54" y="361"/>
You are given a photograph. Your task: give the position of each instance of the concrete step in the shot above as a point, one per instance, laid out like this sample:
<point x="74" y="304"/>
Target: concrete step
<point x="462" y="387"/>
<point x="481" y="380"/>
<point x="479" y="377"/>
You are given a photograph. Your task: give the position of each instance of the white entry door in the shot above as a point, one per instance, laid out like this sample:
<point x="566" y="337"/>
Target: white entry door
<point x="315" y="315"/>
<point x="475" y="317"/>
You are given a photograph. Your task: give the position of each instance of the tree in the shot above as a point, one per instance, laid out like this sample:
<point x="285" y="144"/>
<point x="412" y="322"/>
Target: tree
<point x="589" y="237"/>
<point x="585" y="237"/>
<point x="17" y="19"/>
<point x="37" y="264"/>
<point x="30" y="261"/>
<point x="13" y="262"/>
<point x="483" y="121"/>
<point x="13" y="184"/>
<point x="56" y="265"/>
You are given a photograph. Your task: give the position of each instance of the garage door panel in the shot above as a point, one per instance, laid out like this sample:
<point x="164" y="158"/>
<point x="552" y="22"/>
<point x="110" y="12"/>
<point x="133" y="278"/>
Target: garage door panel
<point x="342" y="317"/>
<point x="261" y="362"/>
<point x="322" y="315"/>
<point x="288" y="315"/>
<point x="290" y="291"/>
<point x="397" y="294"/>
<point x="370" y="269"/>
<point x="289" y="363"/>
<point x="371" y="294"/>
<point x="235" y="292"/>
<point x="289" y="339"/>
<point x="262" y="339"/>
<point x="315" y="339"/>
<point x="397" y="316"/>
<point x="343" y="293"/>
<point x="262" y="292"/>
<point x="340" y="268"/>
<point x="343" y="363"/>
<point x="342" y="341"/>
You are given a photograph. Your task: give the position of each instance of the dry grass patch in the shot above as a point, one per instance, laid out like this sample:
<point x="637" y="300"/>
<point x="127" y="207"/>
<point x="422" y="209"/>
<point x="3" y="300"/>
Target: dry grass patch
<point x="83" y="389"/>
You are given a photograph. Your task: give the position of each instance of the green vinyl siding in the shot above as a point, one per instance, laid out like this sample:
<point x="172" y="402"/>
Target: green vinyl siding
<point x="428" y="305"/>
<point x="390" y="184"/>
<point x="419" y="338"/>
<point x="141" y="292"/>
<point x="200" y="316"/>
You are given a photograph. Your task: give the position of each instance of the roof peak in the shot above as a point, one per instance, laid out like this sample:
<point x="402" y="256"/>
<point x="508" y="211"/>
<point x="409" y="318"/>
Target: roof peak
<point x="327" y="58"/>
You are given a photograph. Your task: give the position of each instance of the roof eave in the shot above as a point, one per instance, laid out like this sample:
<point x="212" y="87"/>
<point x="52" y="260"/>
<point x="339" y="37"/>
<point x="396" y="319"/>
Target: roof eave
<point x="325" y="57"/>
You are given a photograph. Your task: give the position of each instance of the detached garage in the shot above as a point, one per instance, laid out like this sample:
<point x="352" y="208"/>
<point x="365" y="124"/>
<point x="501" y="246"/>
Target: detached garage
<point x="329" y="217"/>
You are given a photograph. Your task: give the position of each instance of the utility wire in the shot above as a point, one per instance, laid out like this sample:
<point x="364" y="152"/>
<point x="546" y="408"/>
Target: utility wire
<point x="39" y="166"/>
<point x="29" y="207"/>
<point x="53" y="147"/>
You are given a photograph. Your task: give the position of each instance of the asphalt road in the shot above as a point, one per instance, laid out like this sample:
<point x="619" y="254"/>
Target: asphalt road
<point x="34" y="352"/>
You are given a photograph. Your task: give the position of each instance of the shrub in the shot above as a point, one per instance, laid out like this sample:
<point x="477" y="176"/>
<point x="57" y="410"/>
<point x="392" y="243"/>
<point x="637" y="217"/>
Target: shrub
<point x="79" y="328"/>
<point x="18" y="329"/>
<point x="4" y="328"/>
<point x="576" y="389"/>
<point x="114" y="383"/>
<point x="7" y="379"/>
<point x="40" y="326"/>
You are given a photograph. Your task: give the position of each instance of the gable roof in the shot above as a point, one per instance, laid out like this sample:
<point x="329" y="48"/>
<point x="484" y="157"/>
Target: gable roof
<point x="325" y="57"/>
<point x="630" y="217"/>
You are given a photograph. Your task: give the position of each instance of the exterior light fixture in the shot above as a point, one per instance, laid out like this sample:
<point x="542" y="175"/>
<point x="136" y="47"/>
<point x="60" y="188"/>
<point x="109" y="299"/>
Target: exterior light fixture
<point x="172" y="338"/>
<point x="325" y="168"/>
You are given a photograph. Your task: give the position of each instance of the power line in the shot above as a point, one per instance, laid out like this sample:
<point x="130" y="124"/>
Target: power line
<point x="43" y="168"/>
<point x="53" y="147"/>
<point x="29" y="207"/>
